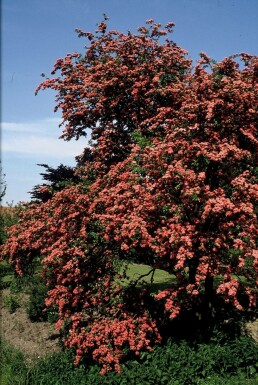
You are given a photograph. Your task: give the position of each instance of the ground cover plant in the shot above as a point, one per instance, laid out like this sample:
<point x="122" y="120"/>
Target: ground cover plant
<point x="170" y="180"/>
<point x="173" y="364"/>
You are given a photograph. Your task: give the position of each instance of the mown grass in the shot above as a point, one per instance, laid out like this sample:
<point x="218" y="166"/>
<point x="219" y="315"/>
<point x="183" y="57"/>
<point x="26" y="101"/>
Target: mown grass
<point x="143" y="275"/>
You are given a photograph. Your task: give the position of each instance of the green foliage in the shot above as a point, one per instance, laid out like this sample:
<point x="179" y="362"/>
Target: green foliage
<point x="140" y="139"/>
<point x="56" y="178"/>
<point x="36" y="306"/>
<point x="185" y="364"/>
<point x="11" y="302"/>
<point x="13" y="368"/>
<point x="18" y="283"/>
<point x="31" y="285"/>
<point x="231" y="380"/>
<point x="235" y="363"/>
<point x="6" y="275"/>
<point x="8" y="218"/>
<point x="57" y="369"/>
<point x="5" y="281"/>
<point x="9" y="279"/>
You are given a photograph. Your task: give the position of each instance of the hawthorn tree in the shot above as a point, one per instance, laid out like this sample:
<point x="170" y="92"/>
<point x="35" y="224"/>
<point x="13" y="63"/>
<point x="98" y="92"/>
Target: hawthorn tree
<point x="170" y="179"/>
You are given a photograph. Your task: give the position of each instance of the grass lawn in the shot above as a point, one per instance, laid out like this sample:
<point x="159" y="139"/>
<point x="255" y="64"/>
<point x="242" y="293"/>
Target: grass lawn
<point x="161" y="279"/>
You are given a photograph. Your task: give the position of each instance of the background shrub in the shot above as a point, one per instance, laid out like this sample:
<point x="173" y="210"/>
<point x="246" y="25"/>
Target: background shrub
<point x="8" y="218"/>
<point x="36" y="308"/>
<point x="11" y="302"/>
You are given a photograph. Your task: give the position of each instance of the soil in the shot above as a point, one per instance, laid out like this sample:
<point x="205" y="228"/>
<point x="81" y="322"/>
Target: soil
<point x="37" y="339"/>
<point x="252" y="328"/>
<point x="34" y="339"/>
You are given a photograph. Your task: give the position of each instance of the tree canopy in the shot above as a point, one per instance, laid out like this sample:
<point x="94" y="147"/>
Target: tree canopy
<point x="169" y="179"/>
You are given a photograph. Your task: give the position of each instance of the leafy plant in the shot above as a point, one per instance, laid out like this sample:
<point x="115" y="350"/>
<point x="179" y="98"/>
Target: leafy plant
<point x="8" y="217"/>
<point x="11" y="302"/>
<point x="56" y="178"/>
<point x="168" y="365"/>
<point x="6" y="274"/>
<point x="13" y="368"/>
<point x="36" y="305"/>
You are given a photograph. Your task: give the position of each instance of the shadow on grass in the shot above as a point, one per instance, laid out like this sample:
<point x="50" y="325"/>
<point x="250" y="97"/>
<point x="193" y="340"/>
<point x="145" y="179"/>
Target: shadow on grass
<point x="209" y="319"/>
<point x="218" y="322"/>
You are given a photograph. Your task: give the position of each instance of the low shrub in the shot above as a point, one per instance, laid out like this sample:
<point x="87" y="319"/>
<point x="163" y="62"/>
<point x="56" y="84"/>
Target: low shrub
<point x="36" y="305"/>
<point x="235" y="363"/>
<point x="181" y="363"/>
<point x="57" y="369"/>
<point x="8" y="218"/>
<point x="235" y="380"/>
<point x="11" y="302"/>
<point x="36" y="308"/>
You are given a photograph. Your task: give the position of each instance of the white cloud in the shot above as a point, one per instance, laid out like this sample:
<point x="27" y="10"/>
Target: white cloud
<point x="42" y="145"/>
<point x="46" y="126"/>
<point x="26" y="144"/>
<point x="39" y="138"/>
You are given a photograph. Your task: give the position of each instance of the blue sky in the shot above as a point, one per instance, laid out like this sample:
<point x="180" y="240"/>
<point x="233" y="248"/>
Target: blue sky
<point x="37" y="32"/>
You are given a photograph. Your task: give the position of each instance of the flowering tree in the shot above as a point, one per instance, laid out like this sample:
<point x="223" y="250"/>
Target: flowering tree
<point x="170" y="180"/>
